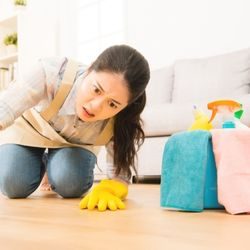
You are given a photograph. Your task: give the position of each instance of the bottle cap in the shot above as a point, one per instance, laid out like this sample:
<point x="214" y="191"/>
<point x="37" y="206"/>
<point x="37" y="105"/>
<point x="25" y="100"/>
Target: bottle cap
<point x="228" y="124"/>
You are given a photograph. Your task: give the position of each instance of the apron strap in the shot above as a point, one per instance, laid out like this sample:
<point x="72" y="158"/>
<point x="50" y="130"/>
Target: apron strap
<point x="40" y="122"/>
<point x="66" y="85"/>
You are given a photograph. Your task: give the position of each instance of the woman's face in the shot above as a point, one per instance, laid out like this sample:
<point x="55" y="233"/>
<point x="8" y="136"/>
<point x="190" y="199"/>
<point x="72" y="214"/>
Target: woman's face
<point x="101" y="95"/>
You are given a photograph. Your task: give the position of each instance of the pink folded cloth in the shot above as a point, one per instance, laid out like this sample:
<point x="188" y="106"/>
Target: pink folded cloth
<point x="232" y="156"/>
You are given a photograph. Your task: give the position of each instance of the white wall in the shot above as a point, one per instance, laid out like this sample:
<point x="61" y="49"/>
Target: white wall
<point x="67" y="28"/>
<point x="6" y="7"/>
<point x="165" y="30"/>
<point x="38" y="32"/>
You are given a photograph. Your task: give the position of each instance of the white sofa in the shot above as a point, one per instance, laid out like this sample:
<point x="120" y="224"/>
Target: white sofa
<point x="172" y="92"/>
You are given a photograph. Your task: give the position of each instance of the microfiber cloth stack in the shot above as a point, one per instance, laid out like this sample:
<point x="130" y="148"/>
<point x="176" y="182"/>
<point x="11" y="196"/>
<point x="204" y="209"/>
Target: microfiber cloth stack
<point x="188" y="180"/>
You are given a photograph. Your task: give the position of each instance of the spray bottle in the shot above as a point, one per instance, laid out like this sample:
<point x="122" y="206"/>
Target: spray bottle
<point x="229" y="111"/>
<point x="201" y="120"/>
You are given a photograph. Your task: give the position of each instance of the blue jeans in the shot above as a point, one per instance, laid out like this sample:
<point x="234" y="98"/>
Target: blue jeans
<point x="70" y="170"/>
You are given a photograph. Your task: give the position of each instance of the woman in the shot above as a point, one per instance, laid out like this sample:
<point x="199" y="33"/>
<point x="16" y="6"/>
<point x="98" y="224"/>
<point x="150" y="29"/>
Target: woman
<point x="70" y="111"/>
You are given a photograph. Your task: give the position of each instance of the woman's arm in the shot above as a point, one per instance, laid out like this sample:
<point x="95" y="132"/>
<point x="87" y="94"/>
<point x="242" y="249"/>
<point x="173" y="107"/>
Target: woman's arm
<point x="110" y="169"/>
<point x="22" y="95"/>
<point x="39" y="83"/>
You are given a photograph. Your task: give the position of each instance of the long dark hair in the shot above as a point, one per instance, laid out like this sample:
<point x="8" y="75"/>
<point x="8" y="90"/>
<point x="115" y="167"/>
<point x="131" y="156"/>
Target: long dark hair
<point x="128" y="132"/>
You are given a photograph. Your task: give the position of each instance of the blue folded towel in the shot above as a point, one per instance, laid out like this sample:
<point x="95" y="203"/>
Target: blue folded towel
<point x="188" y="180"/>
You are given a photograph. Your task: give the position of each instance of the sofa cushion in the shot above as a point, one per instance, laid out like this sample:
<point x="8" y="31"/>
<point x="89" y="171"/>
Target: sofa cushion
<point x="160" y="86"/>
<point x="168" y="118"/>
<point x="207" y="79"/>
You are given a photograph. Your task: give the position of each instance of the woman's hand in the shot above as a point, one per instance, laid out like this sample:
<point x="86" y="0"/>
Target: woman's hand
<point x="106" y="194"/>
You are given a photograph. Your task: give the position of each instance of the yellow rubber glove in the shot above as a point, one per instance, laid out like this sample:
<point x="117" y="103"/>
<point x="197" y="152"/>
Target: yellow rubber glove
<point x="106" y="194"/>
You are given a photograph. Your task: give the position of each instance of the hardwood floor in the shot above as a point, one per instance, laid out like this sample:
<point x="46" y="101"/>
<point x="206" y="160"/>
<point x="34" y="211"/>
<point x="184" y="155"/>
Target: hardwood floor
<point x="45" y="221"/>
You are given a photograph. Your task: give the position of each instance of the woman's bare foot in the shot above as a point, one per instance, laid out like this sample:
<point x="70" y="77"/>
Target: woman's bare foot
<point x="45" y="185"/>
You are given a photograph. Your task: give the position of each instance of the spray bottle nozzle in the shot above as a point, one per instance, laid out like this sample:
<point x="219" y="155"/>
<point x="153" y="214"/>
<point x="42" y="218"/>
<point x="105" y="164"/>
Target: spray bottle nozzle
<point x="228" y="105"/>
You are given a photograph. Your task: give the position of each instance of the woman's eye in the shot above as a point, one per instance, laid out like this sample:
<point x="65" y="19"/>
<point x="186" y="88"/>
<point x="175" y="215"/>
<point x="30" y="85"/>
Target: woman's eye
<point x="112" y="105"/>
<point x="96" y="90"/>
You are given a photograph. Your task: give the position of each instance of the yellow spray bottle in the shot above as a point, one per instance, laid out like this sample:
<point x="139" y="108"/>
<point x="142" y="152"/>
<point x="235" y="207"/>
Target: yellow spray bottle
<point x="201" y="120"/>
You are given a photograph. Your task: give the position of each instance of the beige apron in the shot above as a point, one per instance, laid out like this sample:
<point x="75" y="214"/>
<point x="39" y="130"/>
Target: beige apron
<point x="33" y="128"/>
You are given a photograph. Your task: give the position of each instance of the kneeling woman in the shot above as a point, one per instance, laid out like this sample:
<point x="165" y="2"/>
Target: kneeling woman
<point x="69" y="110"/>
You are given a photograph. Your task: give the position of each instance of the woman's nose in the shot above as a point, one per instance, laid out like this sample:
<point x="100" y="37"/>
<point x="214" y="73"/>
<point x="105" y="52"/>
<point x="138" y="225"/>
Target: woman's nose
<point x="97" y="104"/>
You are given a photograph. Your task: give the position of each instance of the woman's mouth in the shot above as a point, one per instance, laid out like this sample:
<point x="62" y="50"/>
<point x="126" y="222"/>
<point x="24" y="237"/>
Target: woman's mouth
<point x="86" y="113"/>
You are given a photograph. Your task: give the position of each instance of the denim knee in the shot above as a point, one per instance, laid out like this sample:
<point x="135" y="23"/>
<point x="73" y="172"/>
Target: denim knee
<point x="17" y="186"/>
<point x="67" y="189"/>
<point x="70" y="171"/>
<point x="15" y="189"/>
<point x="20" y="170"/>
